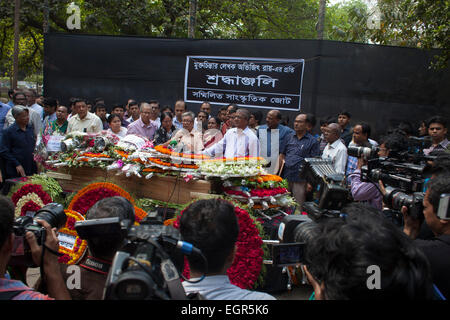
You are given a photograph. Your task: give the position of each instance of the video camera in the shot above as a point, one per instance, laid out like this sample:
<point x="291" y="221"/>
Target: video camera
<point x="329" y="192"/>
<point x="52" y="213"/>
<point x="287" y="251"/>
<point x="149" y="263"/>
<point x="404" y="174"/>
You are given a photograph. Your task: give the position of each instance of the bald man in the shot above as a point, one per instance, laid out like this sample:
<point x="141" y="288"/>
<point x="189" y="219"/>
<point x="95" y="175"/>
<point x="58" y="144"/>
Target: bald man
<point x="335" y="149"/>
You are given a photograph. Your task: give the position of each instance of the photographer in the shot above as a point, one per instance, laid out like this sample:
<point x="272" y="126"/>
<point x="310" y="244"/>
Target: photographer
<point x="95" y="266"/>
<point x="341" y="260"/>
<point x="16" y="290"/>
<point x="437" y="250"/>
<point x="211" y="225"/>
<point x="365" y="191"/>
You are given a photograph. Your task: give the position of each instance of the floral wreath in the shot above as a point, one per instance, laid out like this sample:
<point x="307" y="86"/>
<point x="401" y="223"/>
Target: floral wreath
<point x="71" y="246"/>
<point x="29" y="197"/>
<point x="89" y="195"/>
<point x="247" y="269"/>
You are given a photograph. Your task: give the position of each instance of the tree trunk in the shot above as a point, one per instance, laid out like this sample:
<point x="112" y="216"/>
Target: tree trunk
<point x="192" y="18"/>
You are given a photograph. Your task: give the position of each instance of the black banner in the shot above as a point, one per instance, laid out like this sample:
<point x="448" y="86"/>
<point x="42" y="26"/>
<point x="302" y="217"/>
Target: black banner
<point x="249" y="82"/>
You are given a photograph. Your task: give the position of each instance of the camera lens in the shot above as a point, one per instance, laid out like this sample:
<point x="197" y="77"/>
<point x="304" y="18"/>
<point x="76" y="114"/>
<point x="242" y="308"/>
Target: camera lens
<point x="365" y="152"/>
<point x="53" y="214"/>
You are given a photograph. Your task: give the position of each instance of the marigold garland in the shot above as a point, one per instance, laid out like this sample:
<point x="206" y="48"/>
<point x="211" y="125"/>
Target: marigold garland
<point x="156" y="170"/>
<point x="94" y="155"/>
<point x="260" y="193"/>
<point x="79" y="246"/>
<point x="237" y="159"/>
<point x="139" y="214"/>
<point x="29" y="202"/>
<point x="266" y="178"/>
<point x="164" y="150"/>
<point x="170" y="164"/>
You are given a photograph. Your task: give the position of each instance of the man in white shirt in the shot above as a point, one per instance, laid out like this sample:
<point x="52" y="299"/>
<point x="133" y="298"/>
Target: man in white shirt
<point x="239" y="141"/>
<point x="199" y="226"/>
<point x="31" y="102"/>
<point x="189" y="139"/>
<point x="84" y="121"/>
<point x="335" y="149"/>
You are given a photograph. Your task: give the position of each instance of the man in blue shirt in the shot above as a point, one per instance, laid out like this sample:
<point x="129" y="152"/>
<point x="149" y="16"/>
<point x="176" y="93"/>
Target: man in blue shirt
<point x="273" y="130"/>
<point x="299" y="146"/>
<point x="211" y="226"/>
<point x="17" y="145"/>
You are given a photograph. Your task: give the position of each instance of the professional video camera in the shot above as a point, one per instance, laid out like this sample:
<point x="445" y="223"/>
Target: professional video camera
<point x="329" y="192"/>
<point x="143" y="269"/>
<point x="52" y="213"/>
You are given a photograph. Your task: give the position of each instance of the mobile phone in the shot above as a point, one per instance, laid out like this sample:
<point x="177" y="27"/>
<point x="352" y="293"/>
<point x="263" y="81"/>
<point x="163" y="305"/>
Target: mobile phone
<point x="287" y="254"/>
<point x="443" y="210"/>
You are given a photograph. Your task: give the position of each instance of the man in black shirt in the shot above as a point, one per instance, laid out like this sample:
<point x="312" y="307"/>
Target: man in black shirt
<point x="437" y="249"/>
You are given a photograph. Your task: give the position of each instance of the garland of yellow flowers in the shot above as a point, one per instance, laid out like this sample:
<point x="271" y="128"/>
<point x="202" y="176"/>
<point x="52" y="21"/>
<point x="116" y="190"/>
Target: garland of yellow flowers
<point x="79" y="247"/>
<point x="258" y="159"/>
<point x="156" y="170"/>
<point x="94" y="155"/>
<point x="139" y="214"/>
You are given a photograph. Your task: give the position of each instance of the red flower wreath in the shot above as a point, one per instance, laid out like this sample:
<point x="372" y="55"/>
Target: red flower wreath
<point x="248" y="260"/>
<point x="86" y="201"/>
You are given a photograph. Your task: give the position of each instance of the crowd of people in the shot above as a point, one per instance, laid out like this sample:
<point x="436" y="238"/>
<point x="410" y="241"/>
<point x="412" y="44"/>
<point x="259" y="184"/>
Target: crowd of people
<point x="412" y="257"/>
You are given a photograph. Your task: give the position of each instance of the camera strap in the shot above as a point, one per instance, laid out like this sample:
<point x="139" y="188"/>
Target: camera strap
<point x="96" y="265"/>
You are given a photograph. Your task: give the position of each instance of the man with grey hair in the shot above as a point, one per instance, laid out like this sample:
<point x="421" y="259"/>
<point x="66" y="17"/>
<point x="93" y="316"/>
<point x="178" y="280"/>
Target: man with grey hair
<point x="187" y="138"/>
<point x="239" y="141"/>
<point x="335" y="150"/>
<point x="144" y="126"/>
<point x="35" y="121"/>
<point x="17" y="145"/>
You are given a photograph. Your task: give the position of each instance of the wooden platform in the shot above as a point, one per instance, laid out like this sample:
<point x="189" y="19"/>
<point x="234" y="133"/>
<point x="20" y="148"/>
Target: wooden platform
<point x="169" y="188"/>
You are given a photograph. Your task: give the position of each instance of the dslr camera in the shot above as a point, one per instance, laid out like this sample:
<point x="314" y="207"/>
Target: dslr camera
<point x="52" y="213"/>
<point x="330" y="194"/>
<point x="148" y="265"/>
